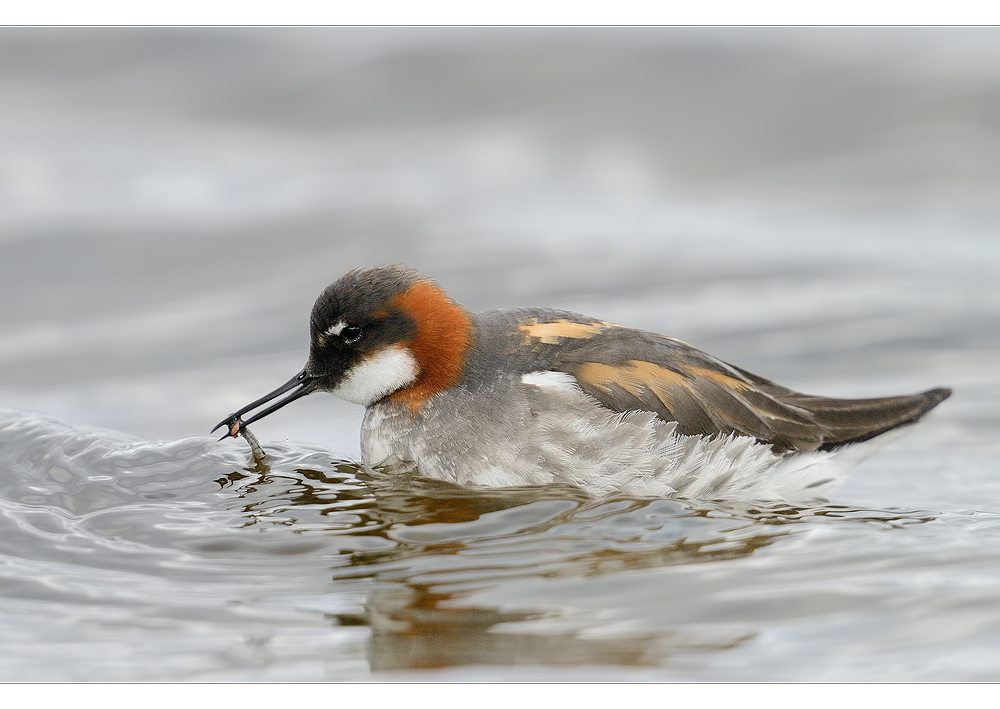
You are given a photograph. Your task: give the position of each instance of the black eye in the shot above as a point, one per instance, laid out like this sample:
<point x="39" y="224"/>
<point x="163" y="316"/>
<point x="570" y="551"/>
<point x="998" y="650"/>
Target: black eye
<point x="351" y="333"/>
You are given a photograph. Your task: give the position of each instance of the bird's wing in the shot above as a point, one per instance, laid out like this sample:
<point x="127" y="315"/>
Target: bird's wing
<point x="627" y="370"/>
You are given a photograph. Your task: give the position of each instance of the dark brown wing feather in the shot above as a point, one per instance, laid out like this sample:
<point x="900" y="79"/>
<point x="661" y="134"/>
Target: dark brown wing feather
<point x="628" y="370"/>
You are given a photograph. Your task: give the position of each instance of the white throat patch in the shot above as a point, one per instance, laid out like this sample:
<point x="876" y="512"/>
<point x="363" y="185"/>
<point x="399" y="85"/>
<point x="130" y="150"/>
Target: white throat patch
<point x="381" y="374"/>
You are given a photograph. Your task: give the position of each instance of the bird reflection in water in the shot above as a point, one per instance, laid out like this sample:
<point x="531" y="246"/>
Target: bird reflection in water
<point x="423" y="551"/>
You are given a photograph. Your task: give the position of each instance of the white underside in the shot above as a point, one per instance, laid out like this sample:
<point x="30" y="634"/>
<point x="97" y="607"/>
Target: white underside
<point x="551" y="432"/>
<point x="381" y="374"/>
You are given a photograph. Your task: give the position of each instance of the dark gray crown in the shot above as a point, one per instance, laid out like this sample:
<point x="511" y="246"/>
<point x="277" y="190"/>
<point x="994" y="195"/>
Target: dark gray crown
<point x="358" y="294"/>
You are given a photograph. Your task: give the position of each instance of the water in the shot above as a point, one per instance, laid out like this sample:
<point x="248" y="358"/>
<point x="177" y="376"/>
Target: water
<point x="171" y="204"/>
<point x="129" y="560"/>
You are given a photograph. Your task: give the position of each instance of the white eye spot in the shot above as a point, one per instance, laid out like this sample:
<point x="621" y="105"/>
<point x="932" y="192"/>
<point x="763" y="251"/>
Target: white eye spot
<point x="335" y="330"/>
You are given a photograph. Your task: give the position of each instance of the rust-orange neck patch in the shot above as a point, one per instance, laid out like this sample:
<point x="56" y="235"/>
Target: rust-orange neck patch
<point x="441" y="345"/>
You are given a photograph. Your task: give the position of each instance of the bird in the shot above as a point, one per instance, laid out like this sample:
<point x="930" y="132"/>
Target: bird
<point x="537" y="396"/>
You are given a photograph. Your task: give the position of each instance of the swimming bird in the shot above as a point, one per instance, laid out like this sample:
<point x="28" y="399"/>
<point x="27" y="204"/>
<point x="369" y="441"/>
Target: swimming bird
<point x="534" y="396"/>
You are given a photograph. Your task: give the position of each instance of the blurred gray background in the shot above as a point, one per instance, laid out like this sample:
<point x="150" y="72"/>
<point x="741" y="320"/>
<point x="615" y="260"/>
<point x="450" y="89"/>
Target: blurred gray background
<point x="817" y="205"/>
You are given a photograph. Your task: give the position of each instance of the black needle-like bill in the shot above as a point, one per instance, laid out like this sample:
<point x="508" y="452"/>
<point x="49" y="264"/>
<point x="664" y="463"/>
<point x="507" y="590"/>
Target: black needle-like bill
<point x="302" y="383"/>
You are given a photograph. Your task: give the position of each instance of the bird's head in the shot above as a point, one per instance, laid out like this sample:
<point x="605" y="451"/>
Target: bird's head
<point x="376" y="333"/>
